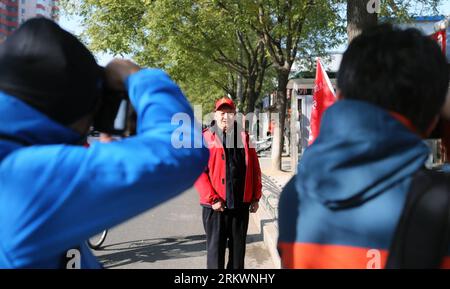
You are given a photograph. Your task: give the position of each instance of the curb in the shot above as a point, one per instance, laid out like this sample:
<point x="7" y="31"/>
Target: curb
<point x="268" y="227"/>
<point x="266" y="218"/>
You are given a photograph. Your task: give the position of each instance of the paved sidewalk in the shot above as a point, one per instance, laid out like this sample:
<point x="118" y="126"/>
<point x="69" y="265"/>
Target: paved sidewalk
<point x="171" y="236"/>
<point x="267" y="216"/>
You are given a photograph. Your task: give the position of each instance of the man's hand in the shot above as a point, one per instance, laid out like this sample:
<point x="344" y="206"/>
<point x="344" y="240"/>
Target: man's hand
<point x="218" y="206"/>
<point x="254" y="206"/>
<point x="117" y="71"/>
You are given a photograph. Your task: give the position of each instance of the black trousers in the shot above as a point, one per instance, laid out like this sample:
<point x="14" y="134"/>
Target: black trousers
<point x="225" y="229"/>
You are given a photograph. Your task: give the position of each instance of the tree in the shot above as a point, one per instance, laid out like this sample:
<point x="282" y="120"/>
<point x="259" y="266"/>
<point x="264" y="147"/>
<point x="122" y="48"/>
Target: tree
<point x="289" y="30"/>
<point x="231" y="36"/>
<point x="209" y="43"/>
<point x="224" y="38"/>
<point x="292" y="29"/>
<point x="361" y="15"/>
<point x="122" y="28"/>
<point x="364" y="14"/>
<point x="193" y="40"/>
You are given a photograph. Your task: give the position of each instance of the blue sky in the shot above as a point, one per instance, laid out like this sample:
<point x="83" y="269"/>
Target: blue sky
<point x="445" y="8"/>
<point x="73" y="25"/>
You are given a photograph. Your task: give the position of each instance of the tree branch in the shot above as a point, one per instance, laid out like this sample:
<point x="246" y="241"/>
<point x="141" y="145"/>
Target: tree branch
<point x="298" y="28"/>
<point x="263" y="66"/>
<point x="298" y="31"/>
<point x="222" y="86"/>
<point x="244" y="45"/>
<point x="235" y="65"/>
<point x="273" y="46"/>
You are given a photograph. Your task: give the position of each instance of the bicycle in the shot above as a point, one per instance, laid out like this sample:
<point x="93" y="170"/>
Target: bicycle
<point x="126" y="117"/>
<point x="264" y="144"/>
<point x="96" y="241"/>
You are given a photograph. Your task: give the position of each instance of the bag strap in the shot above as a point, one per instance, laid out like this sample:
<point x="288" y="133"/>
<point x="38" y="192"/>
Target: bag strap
<point x="421" y="238"/>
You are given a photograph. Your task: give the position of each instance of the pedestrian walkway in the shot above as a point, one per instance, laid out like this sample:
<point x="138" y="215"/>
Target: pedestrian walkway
<point x="171" y="236"/>
<point x="266" y="218"/>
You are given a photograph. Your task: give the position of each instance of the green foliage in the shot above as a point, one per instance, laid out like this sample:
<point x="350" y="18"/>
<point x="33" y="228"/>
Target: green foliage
<point x="402" y="11"/>
<point x="197" y="41"/>
<point x="182" y="37"/>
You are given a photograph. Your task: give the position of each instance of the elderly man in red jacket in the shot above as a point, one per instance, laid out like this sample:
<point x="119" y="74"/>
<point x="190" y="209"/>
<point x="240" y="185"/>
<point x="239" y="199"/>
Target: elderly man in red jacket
<point x="229" y="188"/>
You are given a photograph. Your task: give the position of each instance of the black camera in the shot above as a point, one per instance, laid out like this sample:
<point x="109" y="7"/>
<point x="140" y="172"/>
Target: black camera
<point x="115" y="115"/>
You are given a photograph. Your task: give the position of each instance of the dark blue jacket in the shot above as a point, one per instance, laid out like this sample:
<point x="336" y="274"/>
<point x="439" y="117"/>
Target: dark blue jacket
<point x="342" y="208"/>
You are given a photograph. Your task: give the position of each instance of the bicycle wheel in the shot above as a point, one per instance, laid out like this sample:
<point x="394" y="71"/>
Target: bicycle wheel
<point x="95" y="242"/>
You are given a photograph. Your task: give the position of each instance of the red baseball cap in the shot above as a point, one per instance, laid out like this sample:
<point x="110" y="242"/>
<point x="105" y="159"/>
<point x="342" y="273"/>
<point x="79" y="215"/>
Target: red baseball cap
<point x="225" y="101"/>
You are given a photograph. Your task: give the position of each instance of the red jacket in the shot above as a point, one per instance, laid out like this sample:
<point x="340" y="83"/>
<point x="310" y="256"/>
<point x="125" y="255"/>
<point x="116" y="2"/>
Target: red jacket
<point x="211" y="184"/>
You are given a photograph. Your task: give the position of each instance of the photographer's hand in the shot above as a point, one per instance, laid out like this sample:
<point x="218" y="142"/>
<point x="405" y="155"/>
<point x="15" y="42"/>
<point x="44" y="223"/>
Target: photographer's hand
<point x="117" y="71"/>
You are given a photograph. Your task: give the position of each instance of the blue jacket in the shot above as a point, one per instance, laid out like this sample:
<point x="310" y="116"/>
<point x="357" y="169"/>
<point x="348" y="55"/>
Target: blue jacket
<point x="342" y="208"/>
<point x="54" y="195"/>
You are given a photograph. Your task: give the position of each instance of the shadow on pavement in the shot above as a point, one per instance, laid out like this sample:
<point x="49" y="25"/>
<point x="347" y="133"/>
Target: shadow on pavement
<point x="270" y="185"/>
<point x="152" y="250"/>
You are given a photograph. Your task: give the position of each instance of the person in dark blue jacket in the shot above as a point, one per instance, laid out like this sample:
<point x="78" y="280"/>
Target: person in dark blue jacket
<point x="342" y="208"/>
<point x="55" y="193"/>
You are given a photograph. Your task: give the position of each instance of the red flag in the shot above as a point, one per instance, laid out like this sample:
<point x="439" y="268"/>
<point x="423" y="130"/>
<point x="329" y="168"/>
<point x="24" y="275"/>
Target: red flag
<point x="444" y="124"/>
<point x="323" y="97"/>
<point x="441" y="38"/>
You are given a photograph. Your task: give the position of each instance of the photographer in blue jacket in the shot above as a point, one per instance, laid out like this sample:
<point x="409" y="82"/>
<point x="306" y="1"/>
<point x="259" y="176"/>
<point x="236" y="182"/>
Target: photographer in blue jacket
<point x="55" y="193"/>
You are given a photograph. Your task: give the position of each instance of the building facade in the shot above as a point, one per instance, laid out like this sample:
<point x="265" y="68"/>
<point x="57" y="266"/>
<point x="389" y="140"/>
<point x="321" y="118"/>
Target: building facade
<point x="15" y="12"/>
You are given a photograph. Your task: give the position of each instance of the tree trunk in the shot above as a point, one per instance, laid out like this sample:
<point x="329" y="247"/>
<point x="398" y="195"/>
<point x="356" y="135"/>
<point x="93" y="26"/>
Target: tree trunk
<point x="251" y="102"/>
<point x="278" y="134"/>
<point x="360" y="15"/>
<point x="239" y="88"/>
<point x="240" y="80"/>
<point x="232" y="87"/>
<point x="251" y="94"/>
